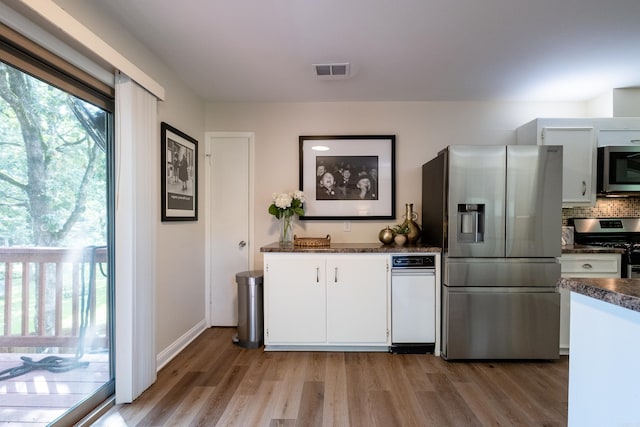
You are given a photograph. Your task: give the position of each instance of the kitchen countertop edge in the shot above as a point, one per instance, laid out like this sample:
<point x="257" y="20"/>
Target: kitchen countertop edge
<point x="621" y="292"/>
<point x="587" y="249"/>
<point x="342" y="248"/>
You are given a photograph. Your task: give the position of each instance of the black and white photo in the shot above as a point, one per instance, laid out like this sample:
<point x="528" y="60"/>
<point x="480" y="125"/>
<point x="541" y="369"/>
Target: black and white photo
<point x="348" y="177"/>
<point x="179" y="168"/>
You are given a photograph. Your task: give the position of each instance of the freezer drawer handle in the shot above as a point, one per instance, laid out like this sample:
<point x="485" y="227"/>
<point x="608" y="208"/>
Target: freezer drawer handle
<point x="587" y="266"/>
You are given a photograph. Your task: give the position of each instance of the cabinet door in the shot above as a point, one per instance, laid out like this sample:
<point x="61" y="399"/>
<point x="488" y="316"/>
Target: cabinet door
<point x="578" y="164"/>
<point x="295" y="295"/>
<point x="357" y="299"/>
<point x="582" y="265"/>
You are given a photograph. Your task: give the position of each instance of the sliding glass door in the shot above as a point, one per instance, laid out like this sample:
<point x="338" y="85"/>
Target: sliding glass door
<point x="56" y="269"/>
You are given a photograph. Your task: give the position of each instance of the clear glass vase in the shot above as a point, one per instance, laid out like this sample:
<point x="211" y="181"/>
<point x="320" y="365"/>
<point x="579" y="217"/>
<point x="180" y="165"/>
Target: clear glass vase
<point x="286" y="231"/>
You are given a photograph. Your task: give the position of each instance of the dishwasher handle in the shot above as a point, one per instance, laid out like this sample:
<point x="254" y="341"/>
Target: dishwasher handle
<point x="413" y="272"/>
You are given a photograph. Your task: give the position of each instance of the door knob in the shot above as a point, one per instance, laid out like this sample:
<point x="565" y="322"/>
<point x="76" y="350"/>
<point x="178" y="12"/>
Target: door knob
<point x="242" y="244"/>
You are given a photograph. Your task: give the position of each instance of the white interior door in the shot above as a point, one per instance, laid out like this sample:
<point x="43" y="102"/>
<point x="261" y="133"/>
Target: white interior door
<point x="229" y="206"/>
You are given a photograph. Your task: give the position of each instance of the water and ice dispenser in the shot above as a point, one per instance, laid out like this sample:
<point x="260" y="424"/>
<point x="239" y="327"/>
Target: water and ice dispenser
<point x="471" y="223"/>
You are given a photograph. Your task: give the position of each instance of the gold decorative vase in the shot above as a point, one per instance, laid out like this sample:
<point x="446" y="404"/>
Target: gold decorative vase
<point x="386" y="236"/>
<point x="414" y="230"/>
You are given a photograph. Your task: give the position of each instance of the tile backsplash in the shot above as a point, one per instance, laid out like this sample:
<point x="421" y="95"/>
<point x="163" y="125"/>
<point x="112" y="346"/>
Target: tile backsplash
<point x="604" y="208"/>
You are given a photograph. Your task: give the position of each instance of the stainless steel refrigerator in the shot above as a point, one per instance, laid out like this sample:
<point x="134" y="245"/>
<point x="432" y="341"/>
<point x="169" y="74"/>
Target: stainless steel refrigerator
<point x="497" y="213"/>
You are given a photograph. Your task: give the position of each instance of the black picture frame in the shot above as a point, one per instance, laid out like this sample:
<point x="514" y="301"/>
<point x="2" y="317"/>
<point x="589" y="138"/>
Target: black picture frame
<point x="367" y="192"/>
<point x="179" y="175"/>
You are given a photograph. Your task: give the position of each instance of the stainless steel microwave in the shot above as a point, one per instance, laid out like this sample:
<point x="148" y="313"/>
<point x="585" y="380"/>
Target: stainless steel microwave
<point x="619" y="170"/>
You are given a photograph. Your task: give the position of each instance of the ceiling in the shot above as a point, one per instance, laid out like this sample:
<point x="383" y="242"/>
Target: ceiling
<point x="398" y="50"/>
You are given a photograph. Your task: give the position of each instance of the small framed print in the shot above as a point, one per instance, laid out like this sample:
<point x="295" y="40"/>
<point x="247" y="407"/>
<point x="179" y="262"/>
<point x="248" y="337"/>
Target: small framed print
<point x="179" y="175"/>
<point x="348" y="177"/>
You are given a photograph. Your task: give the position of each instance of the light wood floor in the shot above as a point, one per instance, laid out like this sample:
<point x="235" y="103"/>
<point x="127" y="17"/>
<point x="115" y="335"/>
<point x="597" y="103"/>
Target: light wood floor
<point x="213" y="382"/>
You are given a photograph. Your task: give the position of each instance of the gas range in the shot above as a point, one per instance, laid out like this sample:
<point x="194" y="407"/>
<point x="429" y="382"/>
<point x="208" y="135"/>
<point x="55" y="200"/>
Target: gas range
<point x="621" y="233"/>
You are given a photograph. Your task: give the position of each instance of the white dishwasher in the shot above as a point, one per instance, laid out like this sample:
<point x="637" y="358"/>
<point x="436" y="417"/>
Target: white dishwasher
<point x="413" y="303"/>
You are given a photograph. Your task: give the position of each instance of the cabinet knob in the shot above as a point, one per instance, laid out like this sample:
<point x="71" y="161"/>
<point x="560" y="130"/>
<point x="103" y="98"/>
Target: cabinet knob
<point x="584" y="188"/>
<point x="317" y="274"/>
<point x="587" y="266"/>
<point x="335" y="275"/>
<point x="242" y="244"/>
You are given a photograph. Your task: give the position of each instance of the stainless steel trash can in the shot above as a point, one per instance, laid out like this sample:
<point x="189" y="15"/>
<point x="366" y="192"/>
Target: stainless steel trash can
<point x="250" y="309"/>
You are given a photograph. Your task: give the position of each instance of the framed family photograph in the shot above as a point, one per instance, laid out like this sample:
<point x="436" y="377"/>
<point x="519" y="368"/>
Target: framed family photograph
<point x="179" y="175"/>
<point x="348" y="177"/>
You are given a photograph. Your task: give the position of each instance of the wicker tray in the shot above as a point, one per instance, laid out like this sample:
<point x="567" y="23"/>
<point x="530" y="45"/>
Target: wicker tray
<point x="312" y="241"/>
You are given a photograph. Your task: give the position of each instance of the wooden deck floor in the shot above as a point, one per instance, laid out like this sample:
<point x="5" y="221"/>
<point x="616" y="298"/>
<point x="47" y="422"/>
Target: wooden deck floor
<point x="39" y="397"/>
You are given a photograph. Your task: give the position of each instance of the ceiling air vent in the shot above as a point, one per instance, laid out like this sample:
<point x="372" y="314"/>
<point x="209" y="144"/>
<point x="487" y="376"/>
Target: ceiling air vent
<point x="332" y="71"/>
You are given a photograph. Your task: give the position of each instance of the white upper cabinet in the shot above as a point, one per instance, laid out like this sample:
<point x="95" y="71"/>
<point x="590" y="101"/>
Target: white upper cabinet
<point x="620" y="131"/>
<point x="578" y="139"/>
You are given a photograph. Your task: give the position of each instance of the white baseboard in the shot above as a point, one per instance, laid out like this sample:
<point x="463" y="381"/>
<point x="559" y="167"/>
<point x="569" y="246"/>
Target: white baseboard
<point x="340" y="348"/>
<point x="178" y="345"/>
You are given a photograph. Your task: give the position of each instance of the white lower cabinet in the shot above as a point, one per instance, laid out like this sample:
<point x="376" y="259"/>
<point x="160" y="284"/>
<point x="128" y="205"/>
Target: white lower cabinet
<point x="295" y="299"/>
<point x="583" y="265"/>
<point x="314" y="300"/>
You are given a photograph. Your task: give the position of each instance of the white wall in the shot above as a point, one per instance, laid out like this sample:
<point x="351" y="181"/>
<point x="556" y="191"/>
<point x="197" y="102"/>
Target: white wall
<point x="421" y="129"/>
<point x="601" y="106"/>
<point x="180" y="290"/>
<point x="626" y="102"/>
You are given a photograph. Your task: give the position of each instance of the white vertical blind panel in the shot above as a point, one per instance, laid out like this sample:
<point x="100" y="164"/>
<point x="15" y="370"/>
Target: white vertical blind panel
<point x="136" y="196"/>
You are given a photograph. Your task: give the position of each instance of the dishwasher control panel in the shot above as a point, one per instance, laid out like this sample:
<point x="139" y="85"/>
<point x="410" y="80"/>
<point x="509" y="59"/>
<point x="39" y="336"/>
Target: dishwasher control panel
<point x="413" y="261"/>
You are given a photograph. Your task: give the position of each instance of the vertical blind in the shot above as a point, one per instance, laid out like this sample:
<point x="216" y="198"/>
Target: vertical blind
<point x="136" y="203"/>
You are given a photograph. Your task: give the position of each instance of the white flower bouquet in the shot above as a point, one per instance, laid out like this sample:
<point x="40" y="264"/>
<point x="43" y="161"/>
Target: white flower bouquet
<point x="285" y="206"/>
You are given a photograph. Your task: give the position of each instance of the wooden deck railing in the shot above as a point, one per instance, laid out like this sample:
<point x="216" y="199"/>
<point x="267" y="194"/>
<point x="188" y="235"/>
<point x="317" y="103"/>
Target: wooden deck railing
<point x="47" y="281"/>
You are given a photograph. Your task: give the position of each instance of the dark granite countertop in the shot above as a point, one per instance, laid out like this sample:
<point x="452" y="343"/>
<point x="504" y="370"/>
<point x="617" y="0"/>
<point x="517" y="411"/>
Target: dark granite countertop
<point x="343" y="248"/>
<point x="622" y="292"/>
<point x="586" y="249"/>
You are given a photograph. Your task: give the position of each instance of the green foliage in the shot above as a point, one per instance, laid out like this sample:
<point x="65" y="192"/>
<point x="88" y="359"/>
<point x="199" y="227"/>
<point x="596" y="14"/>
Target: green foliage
<point x="401" y="229"/>
<point x="273" y="210"/>
<point x="52" y="165"/>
